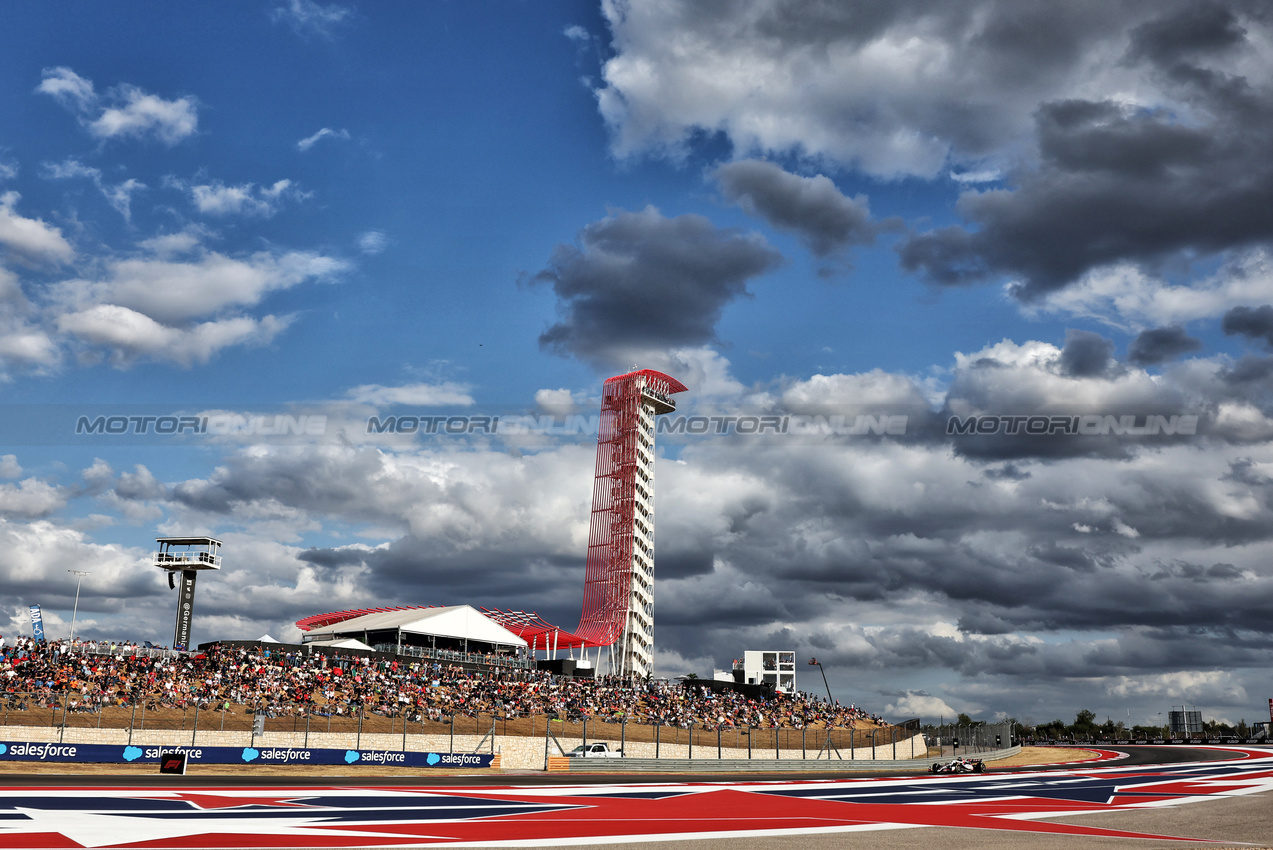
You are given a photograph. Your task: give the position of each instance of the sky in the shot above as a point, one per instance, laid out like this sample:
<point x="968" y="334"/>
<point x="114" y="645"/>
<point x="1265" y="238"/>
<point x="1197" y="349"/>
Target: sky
<point x="973" y="300"/>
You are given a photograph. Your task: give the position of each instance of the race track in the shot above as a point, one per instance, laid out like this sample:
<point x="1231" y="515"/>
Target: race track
<point x="1121" y="802"/>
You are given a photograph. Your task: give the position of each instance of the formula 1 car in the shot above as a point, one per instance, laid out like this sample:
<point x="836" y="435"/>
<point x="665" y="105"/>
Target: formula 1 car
<point x="958" y="765"/>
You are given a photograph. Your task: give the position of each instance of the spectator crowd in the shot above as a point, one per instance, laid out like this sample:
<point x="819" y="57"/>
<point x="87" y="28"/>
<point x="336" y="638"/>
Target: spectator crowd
<point x="87" y="676"/>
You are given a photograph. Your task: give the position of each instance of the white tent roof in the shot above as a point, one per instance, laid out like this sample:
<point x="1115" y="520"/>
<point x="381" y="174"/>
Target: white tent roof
<point x="341" y="643"/>
<point x="265" y="638"/>
<point x="462" y="622"/>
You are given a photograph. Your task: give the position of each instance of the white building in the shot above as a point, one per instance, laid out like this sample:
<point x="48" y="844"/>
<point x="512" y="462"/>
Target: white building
<point x="769" y="667"/>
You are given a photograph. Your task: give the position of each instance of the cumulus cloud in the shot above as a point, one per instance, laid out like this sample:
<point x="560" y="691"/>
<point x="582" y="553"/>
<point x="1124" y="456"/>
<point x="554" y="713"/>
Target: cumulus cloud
<point x="30" y="240"/>
<point x="173" y="291"/>
<point x="1136" y="181"/>
<point x="638" y="282"/>
<point x="130" y="335"/>
<point x="1129" y="297"/>
<point x="899" y="89"/>
<point x="825" y="220"/>
<point x="326" y="132"/>
<point x="184" y="310"/>
<point x="30" y="498"/>
<point x="1251" y="322"/>
<point x="125" y="111"/>
<point x="1158" y="345"/>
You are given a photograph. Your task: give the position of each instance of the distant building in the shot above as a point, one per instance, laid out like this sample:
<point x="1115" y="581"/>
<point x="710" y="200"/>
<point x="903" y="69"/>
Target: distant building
<point x="776" y="668"/>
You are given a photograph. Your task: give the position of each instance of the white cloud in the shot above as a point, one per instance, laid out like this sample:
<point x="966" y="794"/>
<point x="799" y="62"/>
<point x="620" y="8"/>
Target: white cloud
<point x="446" y="392"/>
<point x="306" y="17"/>
<point x="68" y="88"/>
<point x="9" y="467"/>
<point x="172" y="291"/>
<point x="119" y="195"/>
<point x="556" y="402"/>
<point x="216" y="198"/>
<point x="308" y="142"/>
<point x="131" y="335"/>
<point x="183" y="310"/>
<point x="30" y="239"/>
<point x="28" y="345"/>
<point x="574" y="32"/>
<point x="373" y="242"/>
<point x="930" y="709"/>
<point x="1126" y="296"/>
<point x="171" y="245"/>
<point x="143" y="114"/>
<point x="30" y="498"/>
<point x="130" y="112"/>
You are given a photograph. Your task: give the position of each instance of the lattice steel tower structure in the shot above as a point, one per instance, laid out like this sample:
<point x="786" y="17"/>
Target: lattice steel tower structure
<point x="618" y="593"/>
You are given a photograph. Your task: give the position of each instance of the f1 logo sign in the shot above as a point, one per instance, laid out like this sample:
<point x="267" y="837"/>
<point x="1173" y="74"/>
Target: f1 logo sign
<point x="173" y="763"/>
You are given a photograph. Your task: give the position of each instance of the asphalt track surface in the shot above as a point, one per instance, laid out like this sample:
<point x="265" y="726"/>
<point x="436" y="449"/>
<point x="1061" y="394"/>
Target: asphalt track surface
<point x="1190" y="794"/>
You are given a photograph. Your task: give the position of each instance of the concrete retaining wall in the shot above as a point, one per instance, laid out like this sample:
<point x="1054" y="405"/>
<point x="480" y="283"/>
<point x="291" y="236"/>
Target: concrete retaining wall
<point x="517" y="753"/>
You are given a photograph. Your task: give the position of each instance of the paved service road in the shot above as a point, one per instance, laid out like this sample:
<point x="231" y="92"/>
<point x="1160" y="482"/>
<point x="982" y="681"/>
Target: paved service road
<point x="1220" y="794"/>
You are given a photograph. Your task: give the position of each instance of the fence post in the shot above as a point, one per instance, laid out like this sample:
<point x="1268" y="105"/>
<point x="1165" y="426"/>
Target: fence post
<point x="452" y="744"/>
<point x="893" y="734"/>
<point x="404" y="731"/>
<point x="872" y="745"/>
<point x="718" y="756"/>
<point x="777" y="752"/>
<point x="143" y="714"/>
<point x="307" y="715"/>
<point x="62" y="732"/>
<point x="804" y="754"/>
<point x="657" y="728"/>
<point x="585" y="734"/>
<point x="358" y="745"/>
<point x="547" y="729"/>
<point x="749" y="743"/>
<point x="131" y="720"/>
<point x="623" y="736"/>
<point x="194" y="734"/>
<point x="691" y="740"/>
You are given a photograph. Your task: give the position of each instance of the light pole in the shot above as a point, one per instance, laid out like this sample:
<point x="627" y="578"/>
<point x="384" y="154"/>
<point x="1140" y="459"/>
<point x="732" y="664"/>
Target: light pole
<point x="76" y="611"/>
<point x="814" y="662"/>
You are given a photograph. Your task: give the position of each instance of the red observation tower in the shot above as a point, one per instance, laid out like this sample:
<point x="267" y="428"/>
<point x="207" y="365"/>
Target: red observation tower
<point x="618" y="590"/>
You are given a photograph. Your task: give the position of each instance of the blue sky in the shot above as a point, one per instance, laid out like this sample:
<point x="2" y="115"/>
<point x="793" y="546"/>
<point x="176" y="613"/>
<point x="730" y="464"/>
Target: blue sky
<point x="350" y="210"/>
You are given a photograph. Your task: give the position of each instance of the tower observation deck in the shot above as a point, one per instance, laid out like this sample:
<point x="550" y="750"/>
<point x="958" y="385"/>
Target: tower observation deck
<point x="618" y="594"/>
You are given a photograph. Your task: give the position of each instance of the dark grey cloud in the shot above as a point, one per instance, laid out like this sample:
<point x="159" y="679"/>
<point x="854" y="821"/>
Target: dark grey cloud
<point x="1116" y="183"/>
<point x="1251" y="322"/>
<point x="637" y="281"/>
<point x="1196" y="29"/>
<point x="1159" y="345"/>
<point x="826" y="221"/>
<point x="1087" y="355"/>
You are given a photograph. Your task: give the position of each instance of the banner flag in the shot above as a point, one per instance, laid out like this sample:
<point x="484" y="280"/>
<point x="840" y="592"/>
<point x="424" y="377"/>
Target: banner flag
<point x="37" y="624"/>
